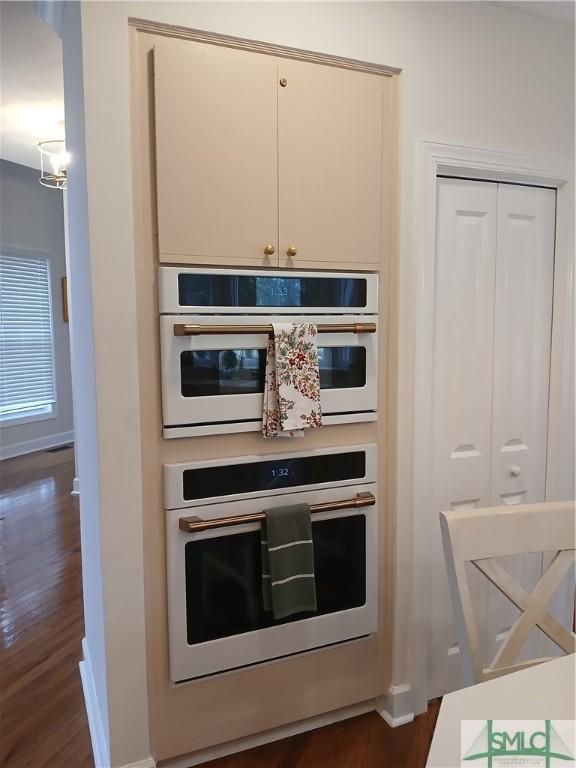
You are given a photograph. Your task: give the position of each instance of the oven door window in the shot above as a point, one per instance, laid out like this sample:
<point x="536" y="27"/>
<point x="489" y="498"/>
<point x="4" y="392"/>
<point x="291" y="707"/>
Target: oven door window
<point x="241" y="371"/>
<point x="196" y="290"/>
<point x="224" y="579"/>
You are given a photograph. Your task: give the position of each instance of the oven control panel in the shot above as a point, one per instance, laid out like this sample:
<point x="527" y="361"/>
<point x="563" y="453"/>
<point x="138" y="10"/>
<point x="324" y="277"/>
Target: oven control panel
<point x="194" y="483"/>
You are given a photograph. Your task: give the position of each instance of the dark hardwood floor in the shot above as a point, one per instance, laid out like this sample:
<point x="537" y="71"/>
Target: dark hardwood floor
<point x="42" y="716"/>
<point x="362" y="742"/>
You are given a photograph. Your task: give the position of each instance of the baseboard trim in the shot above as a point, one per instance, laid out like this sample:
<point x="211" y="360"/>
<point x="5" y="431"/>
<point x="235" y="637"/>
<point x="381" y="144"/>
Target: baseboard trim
<point x="395" y="708"/>
<point x="38" y="444"/>
<point x="95" y="725"/>
<point x="275" y="734"/>
<point x="395" y="722"/>
<point x="148" y="762"/>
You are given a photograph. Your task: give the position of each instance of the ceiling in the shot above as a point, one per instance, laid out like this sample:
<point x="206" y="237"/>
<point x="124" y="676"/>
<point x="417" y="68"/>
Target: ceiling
<point x="32" y="92"/>
<point x="32" y="100"/>
<point x="559" y="11"/>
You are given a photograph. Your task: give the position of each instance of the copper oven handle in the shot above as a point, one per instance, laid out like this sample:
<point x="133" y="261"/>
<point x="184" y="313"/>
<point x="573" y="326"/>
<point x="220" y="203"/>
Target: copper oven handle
<point x="195" y="524"/>
<point x="185" y="329"/>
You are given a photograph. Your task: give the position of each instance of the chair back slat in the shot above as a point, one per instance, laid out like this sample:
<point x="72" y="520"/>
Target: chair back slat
<point x="514" y="530"/>
<point x="479" y="536"/>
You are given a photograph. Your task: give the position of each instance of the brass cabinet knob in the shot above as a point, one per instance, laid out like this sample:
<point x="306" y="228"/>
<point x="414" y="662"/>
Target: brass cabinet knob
<point x="269" y="250"/>
<point x="291" y="251"/>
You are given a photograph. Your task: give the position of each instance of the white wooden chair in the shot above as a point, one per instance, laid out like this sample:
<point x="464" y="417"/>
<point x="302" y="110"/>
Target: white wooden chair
<point x="478" y="536"/>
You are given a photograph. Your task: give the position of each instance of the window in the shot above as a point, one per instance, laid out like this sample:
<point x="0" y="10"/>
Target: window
<point x="26" y="343"/>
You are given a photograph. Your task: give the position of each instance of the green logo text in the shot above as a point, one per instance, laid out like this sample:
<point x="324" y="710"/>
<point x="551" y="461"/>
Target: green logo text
<point x="544" y="743"/>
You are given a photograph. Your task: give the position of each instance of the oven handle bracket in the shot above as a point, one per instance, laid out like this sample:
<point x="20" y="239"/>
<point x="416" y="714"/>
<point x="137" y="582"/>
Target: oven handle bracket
<point x="196" y="524"/>
<point x="185" y="329"/>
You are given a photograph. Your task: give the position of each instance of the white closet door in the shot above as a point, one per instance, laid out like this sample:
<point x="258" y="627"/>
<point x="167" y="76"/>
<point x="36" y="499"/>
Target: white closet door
<point x="523" y="322"/>
<point x="462" y="392"/>
<point x="522" y="333"/>
<point x="494" y="291"/>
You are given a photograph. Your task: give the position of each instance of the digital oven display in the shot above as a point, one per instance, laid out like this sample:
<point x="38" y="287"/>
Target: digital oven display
<point x="266" y="475"/>
<point x="212" y="290"/>
<point x="281" y="473"/>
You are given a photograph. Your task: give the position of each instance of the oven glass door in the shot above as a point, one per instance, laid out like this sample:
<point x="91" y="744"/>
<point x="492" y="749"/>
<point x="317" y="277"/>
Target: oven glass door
<point x="241" y="371"/>
<point x="224" y="579"/>
<point x="220" y="378"/>
<point x="216" y="617"/>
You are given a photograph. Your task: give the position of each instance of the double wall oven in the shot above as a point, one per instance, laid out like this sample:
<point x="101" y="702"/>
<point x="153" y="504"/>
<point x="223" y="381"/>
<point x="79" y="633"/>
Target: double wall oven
<point x="214" y="328"/>
<point x="217" y="620"/>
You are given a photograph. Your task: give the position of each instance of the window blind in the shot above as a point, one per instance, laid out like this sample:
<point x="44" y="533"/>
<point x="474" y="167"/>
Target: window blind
<point x="26" y="341"/>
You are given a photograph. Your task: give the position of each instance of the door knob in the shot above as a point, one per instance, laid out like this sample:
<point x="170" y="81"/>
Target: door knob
<point x="514" y="471"/>
<point x="269" y="250"/>
<point x="291" y="251"/>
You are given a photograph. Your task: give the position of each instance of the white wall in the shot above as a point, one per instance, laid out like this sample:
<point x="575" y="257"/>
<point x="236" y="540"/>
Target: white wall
<point x="106" y="387"/>
<point x="90" y="441"/>
<point x="31" y="218"/>
<point x="475" y="74"/>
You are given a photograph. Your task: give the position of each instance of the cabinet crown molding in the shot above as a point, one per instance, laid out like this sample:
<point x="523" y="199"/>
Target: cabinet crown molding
<point x="256" y="46"/>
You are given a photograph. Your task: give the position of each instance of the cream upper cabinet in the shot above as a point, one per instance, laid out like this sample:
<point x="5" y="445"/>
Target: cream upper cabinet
<point x="216" y="154"/>
<point x="263" y="161"/>
<point x="330" y="136"/>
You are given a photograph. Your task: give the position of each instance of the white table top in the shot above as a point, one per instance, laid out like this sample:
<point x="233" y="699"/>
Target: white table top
<point x="542" y="692"/>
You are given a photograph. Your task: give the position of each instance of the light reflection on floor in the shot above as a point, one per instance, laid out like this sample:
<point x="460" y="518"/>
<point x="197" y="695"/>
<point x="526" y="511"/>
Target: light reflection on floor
<point x="30" y="581"/>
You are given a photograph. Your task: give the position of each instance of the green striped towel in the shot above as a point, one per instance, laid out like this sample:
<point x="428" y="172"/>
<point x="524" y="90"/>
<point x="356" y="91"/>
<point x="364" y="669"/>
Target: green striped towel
<point x="288" y="580"/>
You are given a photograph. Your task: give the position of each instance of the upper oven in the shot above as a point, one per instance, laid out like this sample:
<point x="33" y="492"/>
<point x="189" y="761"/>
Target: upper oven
<point x="214" y="330"/>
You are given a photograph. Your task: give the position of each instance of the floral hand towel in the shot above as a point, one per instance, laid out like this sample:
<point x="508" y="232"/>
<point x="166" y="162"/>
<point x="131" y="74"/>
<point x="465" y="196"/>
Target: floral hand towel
<point x="292" y="385"/>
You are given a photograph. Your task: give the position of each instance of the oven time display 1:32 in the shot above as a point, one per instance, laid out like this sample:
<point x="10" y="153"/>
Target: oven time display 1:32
<point x="281" y="473"/>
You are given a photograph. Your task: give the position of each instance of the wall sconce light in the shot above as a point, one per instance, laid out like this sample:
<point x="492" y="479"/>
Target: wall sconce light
<point x="53" y="161"/>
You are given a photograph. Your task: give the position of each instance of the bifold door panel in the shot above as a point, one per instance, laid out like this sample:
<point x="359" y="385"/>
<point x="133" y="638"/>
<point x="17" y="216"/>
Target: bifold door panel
<point x="523" y="321"/>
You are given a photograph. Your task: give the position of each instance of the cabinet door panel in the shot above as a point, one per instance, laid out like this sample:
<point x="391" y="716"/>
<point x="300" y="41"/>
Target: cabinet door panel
<point x="330" y="165"/>
<point x="216" y="154"/>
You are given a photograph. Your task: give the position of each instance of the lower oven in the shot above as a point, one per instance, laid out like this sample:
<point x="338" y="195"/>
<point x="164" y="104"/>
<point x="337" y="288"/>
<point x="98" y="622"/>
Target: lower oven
<point x="216" y="616"/>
